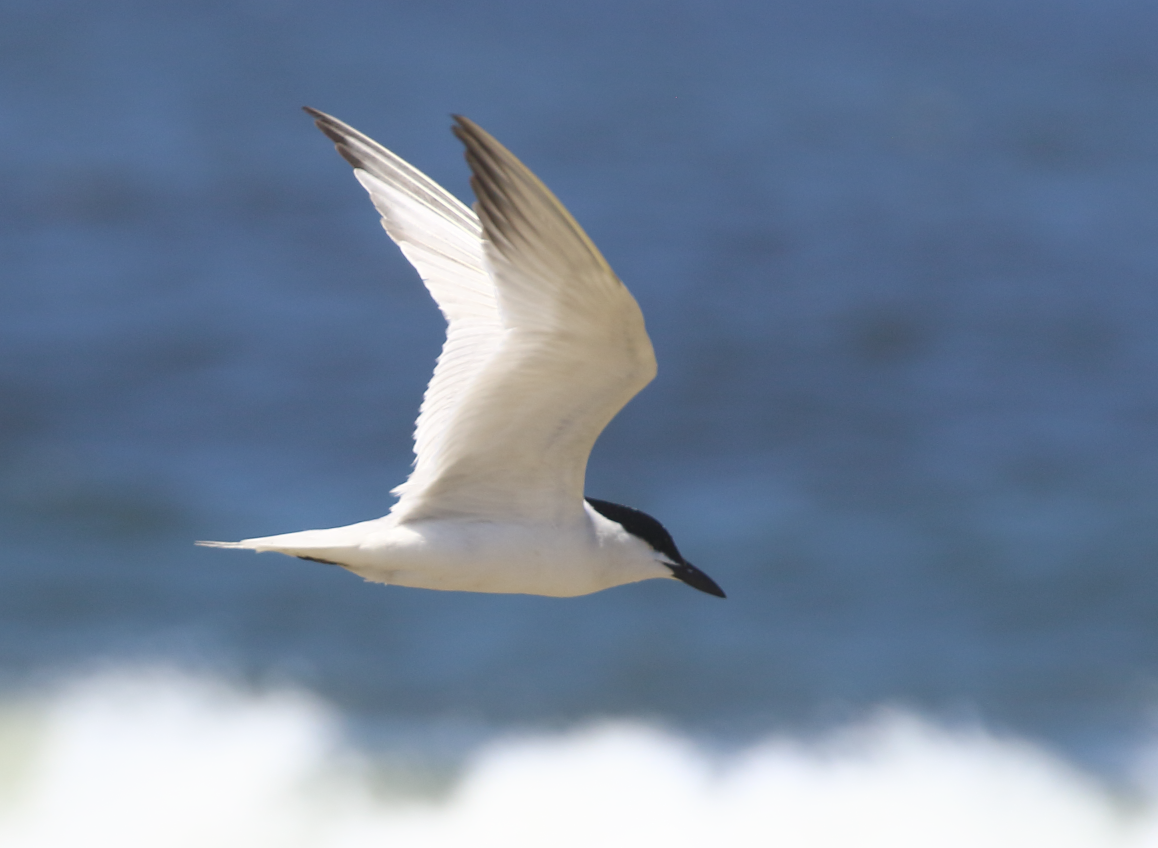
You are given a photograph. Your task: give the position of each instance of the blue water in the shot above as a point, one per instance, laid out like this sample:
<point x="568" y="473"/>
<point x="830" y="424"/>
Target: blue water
<point x="898" y="260"/>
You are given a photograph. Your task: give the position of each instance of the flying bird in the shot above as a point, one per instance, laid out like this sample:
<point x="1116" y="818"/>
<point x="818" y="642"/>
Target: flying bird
<point x="544" y="345"/>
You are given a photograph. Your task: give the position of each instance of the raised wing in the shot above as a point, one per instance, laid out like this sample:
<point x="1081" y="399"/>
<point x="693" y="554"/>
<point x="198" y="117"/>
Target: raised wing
<point x="574" y="350"/>
<point x="544" y="344"/>
<point x="442" y="238"/>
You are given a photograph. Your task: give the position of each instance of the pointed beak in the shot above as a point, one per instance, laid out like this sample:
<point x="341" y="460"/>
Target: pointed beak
<point x="695" y="578"/>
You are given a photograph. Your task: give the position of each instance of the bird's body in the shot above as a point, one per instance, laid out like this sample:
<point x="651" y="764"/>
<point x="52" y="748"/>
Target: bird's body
<point x="544" y="346"/>
<point x="576" y="558"/>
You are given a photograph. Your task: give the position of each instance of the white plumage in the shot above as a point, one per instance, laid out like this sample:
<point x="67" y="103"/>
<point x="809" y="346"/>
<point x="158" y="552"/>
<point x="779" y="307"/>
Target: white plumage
<point x="544" y="346"/>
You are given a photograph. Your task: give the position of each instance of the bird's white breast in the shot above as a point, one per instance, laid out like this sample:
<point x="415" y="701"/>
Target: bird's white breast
<point x="483" y="556"/>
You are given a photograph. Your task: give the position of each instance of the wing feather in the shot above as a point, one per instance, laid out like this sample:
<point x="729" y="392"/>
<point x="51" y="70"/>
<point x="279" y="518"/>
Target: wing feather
<point x="544" y="343"/>
<point x="573" y="353"/>
<point x="442" y="239"/>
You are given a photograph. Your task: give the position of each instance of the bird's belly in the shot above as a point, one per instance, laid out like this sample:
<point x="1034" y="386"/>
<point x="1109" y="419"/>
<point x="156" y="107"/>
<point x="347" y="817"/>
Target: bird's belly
<point x="485" y="557"/>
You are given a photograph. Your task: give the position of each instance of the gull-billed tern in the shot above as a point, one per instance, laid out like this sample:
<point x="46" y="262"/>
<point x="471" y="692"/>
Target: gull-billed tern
<point x="544" y="345"/>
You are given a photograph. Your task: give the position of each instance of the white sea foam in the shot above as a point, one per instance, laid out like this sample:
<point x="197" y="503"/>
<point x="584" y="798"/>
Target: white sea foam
<point x="165" y="759"/>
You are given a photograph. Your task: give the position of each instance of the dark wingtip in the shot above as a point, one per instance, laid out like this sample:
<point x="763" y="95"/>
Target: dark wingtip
<point x="334" y="133"/>
<point x="322" y="122"/>
<point x="467" y="131"/>
<point x="462" y="129"/>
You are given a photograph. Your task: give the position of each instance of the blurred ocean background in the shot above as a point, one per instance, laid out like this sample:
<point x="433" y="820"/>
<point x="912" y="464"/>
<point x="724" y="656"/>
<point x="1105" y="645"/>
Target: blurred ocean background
<point x="899" y="260"/>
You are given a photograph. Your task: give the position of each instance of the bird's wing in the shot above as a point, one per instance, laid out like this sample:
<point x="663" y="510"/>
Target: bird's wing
<point x="442" y="238"/>
<point x="573" y="351"/>
<point x="506" y="434"/>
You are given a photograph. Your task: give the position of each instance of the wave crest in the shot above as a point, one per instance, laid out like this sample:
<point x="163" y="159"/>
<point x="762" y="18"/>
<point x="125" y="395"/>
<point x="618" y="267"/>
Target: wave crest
<point x="169" y="759"/>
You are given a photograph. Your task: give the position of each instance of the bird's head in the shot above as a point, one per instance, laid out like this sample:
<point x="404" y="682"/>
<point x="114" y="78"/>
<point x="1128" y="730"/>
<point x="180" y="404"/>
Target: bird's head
<point x="662" y="547"/>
